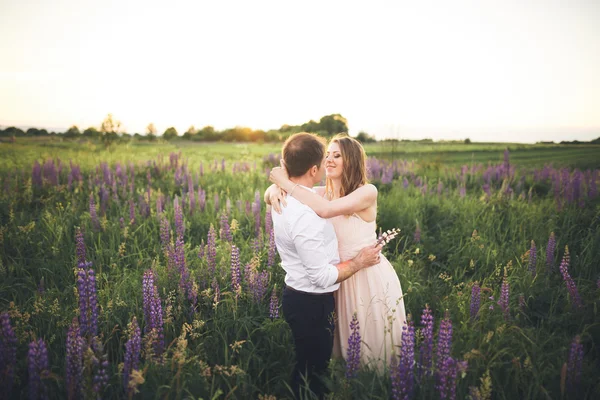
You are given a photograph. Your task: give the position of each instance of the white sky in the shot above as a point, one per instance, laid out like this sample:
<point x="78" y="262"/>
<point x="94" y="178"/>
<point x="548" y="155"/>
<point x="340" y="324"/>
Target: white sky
<point x="489" y="70"/>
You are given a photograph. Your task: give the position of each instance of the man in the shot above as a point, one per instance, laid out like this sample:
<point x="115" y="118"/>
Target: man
<point x="308" y="249"/>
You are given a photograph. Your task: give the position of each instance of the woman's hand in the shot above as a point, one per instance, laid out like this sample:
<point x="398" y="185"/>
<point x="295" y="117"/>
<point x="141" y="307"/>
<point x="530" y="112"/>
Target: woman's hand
<point x="279" y="175"/>
<point x="277" y="199"/>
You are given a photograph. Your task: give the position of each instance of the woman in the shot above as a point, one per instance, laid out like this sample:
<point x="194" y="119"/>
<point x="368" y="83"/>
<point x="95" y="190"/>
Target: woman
<point x="350" y="202"/>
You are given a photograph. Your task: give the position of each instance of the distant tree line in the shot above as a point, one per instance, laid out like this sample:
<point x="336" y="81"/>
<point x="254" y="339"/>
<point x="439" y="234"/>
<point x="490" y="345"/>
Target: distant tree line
<point x="111" y="131"/>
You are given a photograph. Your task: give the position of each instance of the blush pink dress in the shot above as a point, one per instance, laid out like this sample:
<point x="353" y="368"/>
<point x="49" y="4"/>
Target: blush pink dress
<point x="374" y="293"/>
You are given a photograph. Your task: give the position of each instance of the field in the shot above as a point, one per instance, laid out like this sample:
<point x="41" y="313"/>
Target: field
<point x="147" y="270"/>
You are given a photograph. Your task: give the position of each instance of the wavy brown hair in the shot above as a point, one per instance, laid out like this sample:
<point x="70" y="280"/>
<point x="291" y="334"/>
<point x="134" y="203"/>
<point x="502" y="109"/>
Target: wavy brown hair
<point x="354" y="174"/>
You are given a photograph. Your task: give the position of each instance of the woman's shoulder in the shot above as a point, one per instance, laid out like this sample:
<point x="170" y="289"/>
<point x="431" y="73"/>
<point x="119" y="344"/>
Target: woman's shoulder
<point x="369" y="189"/>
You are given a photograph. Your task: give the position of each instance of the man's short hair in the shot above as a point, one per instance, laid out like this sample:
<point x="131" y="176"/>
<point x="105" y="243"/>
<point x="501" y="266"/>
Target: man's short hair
<point x="301" y="151"/>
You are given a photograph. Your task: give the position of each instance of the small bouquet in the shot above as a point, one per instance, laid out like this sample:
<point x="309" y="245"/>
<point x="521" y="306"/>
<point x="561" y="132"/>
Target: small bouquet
<point x="387" y="236"/>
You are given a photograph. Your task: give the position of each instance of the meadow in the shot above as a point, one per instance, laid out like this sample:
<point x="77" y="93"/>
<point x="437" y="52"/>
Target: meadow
<point x="148" y="270"/>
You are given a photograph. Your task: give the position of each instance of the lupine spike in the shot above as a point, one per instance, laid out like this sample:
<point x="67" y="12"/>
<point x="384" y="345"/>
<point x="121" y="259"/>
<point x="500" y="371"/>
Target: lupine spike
<point x="354" y="342"/>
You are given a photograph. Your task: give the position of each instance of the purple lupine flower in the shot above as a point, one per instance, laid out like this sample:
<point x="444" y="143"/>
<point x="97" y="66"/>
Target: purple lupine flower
<point x="211" y="250"/>
<point x="36" y="175"/>
<point x="132" y="353"/>
<point x="550" y="252"/>
<point x="417" y="235"/>
<point x="426" y="349"/>
<point x="99" y="366"/>
<point x="225" y="231"/>
<point x="503" y="302"/>
<point x="443" y="362"/>
<point x="274" y="305"/>
<point x="8" y="354"/>
<point x="256" y="247"/>
<point x="405" y="364"/>
<point x="80" y="245"/>
<point x="475" y="300"/>
<point x="395" y="378"/>
<point x="574" y="366"/>
<point x="272" y="250"/>
<point x="74" y="361"/>
<point x="179" y="226"/>
<point x="256" y="214"/>
<point x="235" y="270"/>
<point x="93" y="214"/>
<point x="153" y="311"/>
<point x="38" y="367"/>
<point x="462" y="191"/>
<point x="572" y="288"/>
<point x="257" y="283"/>
<point x="165" y="229"/>
<point x="532" y="258"/>
<point x="353" y="354"/>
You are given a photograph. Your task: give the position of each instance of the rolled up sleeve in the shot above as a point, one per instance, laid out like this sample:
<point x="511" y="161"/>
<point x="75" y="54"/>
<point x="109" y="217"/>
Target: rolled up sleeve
<point x="309" y="241"/>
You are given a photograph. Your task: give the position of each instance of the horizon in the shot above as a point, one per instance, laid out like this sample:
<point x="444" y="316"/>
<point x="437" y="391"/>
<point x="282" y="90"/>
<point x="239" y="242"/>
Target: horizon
<point x="506" y="72"/>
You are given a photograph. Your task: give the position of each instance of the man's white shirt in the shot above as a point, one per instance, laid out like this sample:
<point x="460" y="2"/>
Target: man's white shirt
<point x="308" y="248"/>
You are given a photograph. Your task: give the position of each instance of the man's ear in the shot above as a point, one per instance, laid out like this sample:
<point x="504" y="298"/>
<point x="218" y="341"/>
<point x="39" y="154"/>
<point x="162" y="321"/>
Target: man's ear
<point x="314" y="170"/>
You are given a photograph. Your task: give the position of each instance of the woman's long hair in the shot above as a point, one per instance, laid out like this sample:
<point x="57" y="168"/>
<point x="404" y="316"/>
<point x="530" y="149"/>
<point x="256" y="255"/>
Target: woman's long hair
<point x="354" y="174"/>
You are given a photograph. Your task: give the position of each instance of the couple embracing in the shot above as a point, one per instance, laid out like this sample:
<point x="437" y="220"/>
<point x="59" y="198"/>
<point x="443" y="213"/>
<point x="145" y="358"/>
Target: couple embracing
<point x="326" y="238"/>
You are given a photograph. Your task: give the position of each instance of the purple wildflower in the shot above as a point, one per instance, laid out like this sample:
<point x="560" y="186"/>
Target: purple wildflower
<point x="572" y="288"/>
<point x="216" y="202"/>
<point x="574" y="366"/>
<point x="225" y="231"/>
<point x="179" y="227"/>
<point x="426" y="349"/>
<point x="38" y="367"/>
<point x="532" y="258"/>
<point x="405" y="364"/>
<point x="153" y="311"/>
<point x="235" y="270"/>
<point x="550" y="252"/>
<point x="353" y="355"/>
<point x="8" y="354"/>
<point x="36" y="175"/>
<point x="132" y="353"/>
<point x="475" y="300"/>
<point x="99" y="366"/>
<point x="74" y="360"/>
<point x="503" y="302"/>
<point x="211" y="250"/>
<point x="274" y="305"/>
<point x="443" y="356"/>
<point x="268" y="222"/>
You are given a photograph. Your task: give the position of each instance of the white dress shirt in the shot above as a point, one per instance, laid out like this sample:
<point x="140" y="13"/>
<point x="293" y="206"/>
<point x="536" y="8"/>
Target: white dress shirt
<point x="308" y="248"/>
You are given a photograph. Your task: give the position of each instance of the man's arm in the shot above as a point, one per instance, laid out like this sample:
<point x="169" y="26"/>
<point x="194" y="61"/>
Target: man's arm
<point x="310" y="245"/>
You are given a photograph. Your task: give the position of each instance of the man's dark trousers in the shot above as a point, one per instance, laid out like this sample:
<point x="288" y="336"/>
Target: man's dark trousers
<point x="310" y="317"/>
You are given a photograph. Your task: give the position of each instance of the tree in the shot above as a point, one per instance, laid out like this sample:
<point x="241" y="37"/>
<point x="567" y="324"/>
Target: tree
<point x="170" y="133"/>
<point x="92" y="132"/>
<point x="192" y="131"/>
<point x="110" y="128"/>
<point x="364" y="137"/>
<point x="72" y="132"/>
<point x="333" y="124"/>
<point x="151" y="131"/>
<point x="207" y="134"/>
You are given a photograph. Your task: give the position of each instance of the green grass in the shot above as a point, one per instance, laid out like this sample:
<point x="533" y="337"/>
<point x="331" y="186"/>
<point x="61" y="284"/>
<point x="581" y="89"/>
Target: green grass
<point x="523" y="354"/>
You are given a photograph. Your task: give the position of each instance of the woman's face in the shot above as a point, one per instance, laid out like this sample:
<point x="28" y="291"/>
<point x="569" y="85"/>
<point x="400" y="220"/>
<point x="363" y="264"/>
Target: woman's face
<point x="334" y="164"/>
